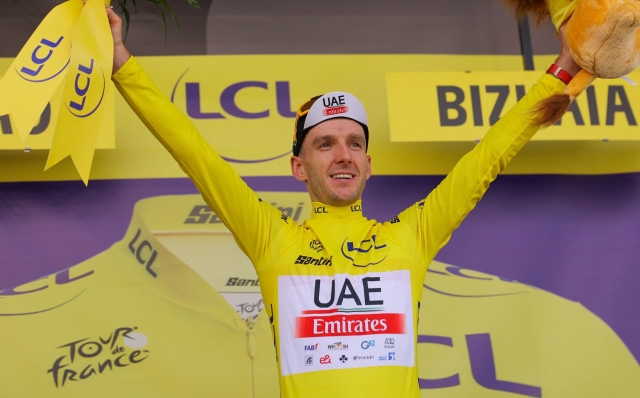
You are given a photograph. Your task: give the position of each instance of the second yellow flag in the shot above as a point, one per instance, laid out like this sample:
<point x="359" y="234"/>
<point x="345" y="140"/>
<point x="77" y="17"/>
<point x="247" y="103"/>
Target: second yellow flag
<point x="86" y="91"/>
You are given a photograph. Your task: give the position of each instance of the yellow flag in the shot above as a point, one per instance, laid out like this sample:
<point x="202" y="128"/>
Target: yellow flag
<point x="39" y="69"/>
<point x="86" y="91"/>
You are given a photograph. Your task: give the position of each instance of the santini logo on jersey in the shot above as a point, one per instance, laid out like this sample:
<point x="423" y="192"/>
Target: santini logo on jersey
<point x="306" y="260"/>
<point x="359" y="320"/>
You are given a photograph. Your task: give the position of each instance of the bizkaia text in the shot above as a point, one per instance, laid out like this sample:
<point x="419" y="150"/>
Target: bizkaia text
<point x="365" y="316"/>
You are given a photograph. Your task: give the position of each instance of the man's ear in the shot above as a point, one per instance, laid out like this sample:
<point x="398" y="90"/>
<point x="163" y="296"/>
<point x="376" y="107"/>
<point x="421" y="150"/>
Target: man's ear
<point x="297" y="169"/>
<point x="368" y="172"/>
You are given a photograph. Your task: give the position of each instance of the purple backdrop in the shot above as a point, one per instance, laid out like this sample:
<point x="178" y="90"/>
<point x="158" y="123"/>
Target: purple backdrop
<point x="576" y="236"/>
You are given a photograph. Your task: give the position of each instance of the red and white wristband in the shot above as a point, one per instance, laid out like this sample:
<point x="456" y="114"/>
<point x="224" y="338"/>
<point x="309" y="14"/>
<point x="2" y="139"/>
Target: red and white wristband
<point x="560" y="73"/>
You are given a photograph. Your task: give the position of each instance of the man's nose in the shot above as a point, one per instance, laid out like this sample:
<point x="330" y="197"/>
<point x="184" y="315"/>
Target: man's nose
<point x="343" y="155"/>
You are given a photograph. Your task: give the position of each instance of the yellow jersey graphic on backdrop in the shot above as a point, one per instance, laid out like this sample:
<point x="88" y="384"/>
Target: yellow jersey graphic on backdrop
<point x="174" y="309"/>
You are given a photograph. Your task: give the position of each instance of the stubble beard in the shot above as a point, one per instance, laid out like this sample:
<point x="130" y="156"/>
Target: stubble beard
<point x="325" y="195"/>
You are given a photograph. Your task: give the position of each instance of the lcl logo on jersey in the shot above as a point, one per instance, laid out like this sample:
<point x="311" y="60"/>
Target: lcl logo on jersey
<point x="89" y="88"/>
<point x="44" y="64"/>
<point x="353" y="314"/>
<point x="365" y="253"/>
<point x="144" y="253"/>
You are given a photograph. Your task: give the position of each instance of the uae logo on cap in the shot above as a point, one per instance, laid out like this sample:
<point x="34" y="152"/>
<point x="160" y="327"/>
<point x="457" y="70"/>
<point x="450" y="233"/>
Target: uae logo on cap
<point x="334" y="105"/>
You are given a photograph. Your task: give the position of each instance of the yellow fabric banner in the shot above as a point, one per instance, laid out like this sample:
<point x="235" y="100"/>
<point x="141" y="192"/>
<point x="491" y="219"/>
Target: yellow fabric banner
<point x="239" y="104"/>
<point x="87" y="86"/>
<point x="462" y="106"/>
<point x="41" y="134"/>
<point x="39" y="69"/>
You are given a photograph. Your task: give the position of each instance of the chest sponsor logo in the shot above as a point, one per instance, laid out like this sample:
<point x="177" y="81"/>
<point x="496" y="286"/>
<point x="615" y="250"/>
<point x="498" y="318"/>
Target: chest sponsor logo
<point x="389" y="357"/>
<point x="367" y="343"/>
<point x="365" y="253"/>
<point x="368" y="316"/>
<point x="363" y="357"/>
<point x="92" y="356"/>
<point x="316" y="245"/>
<point x="338" y="346"/>
<point x="308" y="260"/>
<point x="345" y="312"/>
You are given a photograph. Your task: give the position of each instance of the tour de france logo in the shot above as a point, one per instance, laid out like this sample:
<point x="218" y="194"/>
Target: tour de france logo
<point x="46" y="61"/>
<point x="93" y="356"/>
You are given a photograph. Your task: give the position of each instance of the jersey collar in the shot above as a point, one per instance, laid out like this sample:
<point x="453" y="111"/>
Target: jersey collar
<point x="321" y="211"/>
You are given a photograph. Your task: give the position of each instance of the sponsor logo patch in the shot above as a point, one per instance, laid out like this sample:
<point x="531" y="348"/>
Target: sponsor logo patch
<point x="369" y="314"/>
<point x="308" y="260"/>
<point x="367" y="343"/>
<point x="338" y="346"/>
<point x="316" y="245"/>
<point x="334" y="105"/>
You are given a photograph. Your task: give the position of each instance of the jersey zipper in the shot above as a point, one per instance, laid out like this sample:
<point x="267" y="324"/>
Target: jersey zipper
<point x="251" y="350"/>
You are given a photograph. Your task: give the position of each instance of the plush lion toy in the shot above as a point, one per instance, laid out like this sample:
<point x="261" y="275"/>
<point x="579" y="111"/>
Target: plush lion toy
<point x="603" y="38"/>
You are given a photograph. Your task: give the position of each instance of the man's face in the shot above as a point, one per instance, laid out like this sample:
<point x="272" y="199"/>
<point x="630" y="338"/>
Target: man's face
<point x="333" y="162"/>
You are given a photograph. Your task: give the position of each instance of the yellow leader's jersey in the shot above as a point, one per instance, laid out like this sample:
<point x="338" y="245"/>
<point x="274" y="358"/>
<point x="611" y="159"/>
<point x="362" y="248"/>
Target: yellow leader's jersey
<point x="338" y="275"/>
<point x="174" y="310"/>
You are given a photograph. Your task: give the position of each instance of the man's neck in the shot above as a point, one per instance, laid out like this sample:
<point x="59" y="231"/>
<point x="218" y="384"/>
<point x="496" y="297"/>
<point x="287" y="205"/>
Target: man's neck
<point x="323" y="211"/>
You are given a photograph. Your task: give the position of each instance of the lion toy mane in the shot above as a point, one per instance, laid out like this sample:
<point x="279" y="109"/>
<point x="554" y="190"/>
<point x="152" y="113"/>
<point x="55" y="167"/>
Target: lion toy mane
<point x="603" y="38"/>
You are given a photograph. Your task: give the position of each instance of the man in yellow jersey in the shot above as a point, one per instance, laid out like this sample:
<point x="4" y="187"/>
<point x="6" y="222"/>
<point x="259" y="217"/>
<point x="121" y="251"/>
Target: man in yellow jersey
<point x="338" y="277"/>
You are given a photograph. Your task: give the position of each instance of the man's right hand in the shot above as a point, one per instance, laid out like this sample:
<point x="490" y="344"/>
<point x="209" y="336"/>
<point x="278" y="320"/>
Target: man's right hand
<point x="565" y="59"/>
<point x="120" y="53"/>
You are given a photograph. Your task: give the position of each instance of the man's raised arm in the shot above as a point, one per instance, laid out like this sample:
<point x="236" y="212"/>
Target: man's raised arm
<point x="252" y="222"/>
<point x="446" y="206"/>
